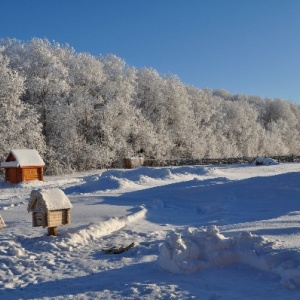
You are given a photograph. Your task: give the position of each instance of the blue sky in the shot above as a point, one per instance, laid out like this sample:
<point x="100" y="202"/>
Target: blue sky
<point x="244" y="46"/>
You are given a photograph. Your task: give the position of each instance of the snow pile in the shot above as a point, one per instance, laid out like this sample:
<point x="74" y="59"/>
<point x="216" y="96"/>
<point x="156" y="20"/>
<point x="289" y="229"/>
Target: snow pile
<point x="264" y="161"/>
<point x="96" y="231"/>
<point x="200" y="249"/>
<point x="69" y="241"/>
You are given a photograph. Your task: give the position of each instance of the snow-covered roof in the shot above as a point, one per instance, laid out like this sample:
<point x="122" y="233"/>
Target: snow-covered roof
<point x="51" y="199"/>
<point x="24" y="157"/>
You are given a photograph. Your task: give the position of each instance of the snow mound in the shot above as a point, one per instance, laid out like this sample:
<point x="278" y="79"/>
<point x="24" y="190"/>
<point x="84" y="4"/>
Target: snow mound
<point x="134" y="179"/>
<point x="69" y="241"/>
<point x="264" y="161"/>
<point x="199" y="249"/>
<point x="96" y="231"/>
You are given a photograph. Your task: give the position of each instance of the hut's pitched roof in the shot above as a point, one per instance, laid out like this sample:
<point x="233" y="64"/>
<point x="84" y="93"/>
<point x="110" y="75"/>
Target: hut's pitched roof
<point x="51" y="199"/>
<point x="23" y="158"/>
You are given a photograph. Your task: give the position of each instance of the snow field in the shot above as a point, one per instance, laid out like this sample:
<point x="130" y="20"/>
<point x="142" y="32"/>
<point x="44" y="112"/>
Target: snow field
<point x="200" y="232"/>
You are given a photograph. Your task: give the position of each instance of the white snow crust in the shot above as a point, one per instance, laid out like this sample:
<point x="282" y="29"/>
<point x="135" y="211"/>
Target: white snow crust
<point x="199" y="232"/>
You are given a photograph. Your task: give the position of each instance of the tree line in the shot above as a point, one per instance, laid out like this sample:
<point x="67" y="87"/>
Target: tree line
<point x="83" y="112"/>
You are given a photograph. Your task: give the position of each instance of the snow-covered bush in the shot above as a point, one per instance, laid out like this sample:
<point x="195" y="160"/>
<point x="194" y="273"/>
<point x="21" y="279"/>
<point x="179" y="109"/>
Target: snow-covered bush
<point x="264" y="161"/>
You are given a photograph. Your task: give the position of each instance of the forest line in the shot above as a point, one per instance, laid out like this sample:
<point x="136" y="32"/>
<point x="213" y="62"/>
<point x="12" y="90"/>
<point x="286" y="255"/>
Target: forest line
<point x="84" y="112"/>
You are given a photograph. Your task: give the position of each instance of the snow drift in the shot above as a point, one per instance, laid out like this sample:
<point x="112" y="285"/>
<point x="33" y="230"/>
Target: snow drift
<point x="264" y="161"/>
<point x="95" y="231"/>
<point x="199" y="249"/>
<point x="109" y="209"/>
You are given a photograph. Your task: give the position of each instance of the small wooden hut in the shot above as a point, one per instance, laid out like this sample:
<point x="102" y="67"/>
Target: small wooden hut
<point x="23" y="165"/>
<point x="50" y="208"/>
<point x="132" y="162"/>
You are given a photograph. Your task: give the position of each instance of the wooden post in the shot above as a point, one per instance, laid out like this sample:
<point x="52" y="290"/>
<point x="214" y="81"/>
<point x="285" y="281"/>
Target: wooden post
<point x="52" y="231"/>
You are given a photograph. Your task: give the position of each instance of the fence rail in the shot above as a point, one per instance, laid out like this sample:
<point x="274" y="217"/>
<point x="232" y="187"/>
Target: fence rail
<point x="215" y="161"/>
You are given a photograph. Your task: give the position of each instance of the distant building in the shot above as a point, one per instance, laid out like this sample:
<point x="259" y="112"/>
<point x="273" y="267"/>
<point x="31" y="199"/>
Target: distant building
<point x="132" y="162"/>
<point x="23" y="165"/>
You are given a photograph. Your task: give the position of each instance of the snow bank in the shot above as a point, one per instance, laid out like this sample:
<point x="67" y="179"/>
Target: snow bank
<point x="138" y="178"/>
<point x="69" y="241"/>
<point x="264" y="161"/>
<point x="95" y="231"/>
<point x="200" y="249"/>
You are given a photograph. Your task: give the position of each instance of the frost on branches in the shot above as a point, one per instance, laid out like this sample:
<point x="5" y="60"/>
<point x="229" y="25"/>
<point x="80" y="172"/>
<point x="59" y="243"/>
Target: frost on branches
<point x="84" y="112"/>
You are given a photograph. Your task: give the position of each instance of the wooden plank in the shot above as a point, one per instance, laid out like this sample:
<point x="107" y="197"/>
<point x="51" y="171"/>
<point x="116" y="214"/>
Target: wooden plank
<point x="118" y="250"/>
<point x="41" y="174"/>
<point x="2" y="224"/>
<point x="52" y="231"/>
<point x="68" y="216"/>
<point x="30" y="174"/>
<point x="55" y="218"/>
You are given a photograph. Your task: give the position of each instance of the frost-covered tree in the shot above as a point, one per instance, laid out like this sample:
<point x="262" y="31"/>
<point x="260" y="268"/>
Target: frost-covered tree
<point x="206" y="109"/>
<point x="19" y="126"/>
<point x="45" y="79"/>
<point x="151" y="102"/>
<point x="96" y="110"/>
<point x="74" y="136"/>
<point x="241" y="128"/>
<point x="121" y="123"/>
<point x="166" y="103"/>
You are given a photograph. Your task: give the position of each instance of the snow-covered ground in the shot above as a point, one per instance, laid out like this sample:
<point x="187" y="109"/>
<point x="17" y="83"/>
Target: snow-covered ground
<point x="200" y="232"/>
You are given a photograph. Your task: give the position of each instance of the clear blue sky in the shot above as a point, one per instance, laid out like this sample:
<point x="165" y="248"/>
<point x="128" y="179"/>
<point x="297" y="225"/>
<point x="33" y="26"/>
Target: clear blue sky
<point x="243" y="46"/>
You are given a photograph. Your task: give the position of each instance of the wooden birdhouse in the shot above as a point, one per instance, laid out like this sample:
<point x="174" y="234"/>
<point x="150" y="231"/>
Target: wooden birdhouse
<point x="50" y="208"/>
<point x="23" y="165"/>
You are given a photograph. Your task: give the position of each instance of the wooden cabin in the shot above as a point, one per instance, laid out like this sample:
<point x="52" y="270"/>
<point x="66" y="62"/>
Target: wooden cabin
<point x="23" y="165"/>
<point x="50" y="208"/>
<point x="132" y="162"/>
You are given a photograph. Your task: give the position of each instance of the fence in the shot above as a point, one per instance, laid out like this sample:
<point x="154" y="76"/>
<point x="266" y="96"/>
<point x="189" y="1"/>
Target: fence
<point x="214" y="161"/>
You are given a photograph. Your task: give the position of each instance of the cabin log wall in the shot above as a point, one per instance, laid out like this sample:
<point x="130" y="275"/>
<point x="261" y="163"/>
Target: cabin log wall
<point x="58" y="217"/>
<point x="30" y="174"/>
<point x="39" y="219"/>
